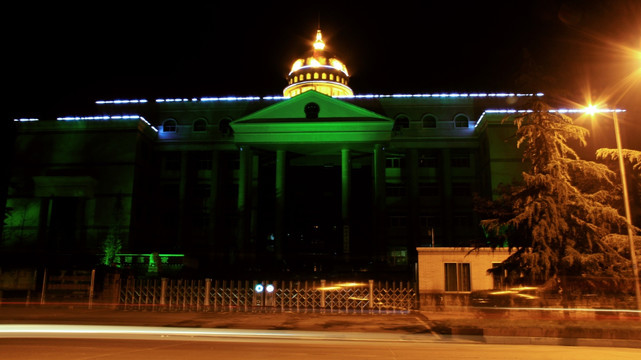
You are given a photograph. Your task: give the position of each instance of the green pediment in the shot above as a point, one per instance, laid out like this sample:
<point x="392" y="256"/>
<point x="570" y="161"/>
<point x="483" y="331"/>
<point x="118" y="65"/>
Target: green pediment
<point x="294" y="109"/>
<point x="313" y="123"/>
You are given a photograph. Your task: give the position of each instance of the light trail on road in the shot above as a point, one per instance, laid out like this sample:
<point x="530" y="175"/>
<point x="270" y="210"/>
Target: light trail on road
<point x="193" y="334"/>
<point x="68" y="344"/>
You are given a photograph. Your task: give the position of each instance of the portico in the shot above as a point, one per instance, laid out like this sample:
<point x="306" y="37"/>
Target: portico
<point x="305" y="130"/>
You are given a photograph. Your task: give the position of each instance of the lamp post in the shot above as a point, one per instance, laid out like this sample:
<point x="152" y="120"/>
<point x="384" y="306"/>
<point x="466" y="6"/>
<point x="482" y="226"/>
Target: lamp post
<point x="626" y="205"/>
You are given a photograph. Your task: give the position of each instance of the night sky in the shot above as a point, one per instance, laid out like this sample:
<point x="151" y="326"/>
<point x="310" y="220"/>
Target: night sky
<point x="61" y="58"/>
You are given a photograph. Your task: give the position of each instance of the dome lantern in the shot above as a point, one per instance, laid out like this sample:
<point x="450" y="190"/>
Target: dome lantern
<point x="318" y="71"/>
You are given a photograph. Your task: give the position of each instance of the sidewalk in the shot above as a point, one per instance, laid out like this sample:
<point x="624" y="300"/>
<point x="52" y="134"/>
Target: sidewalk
<point x="489" y="327"/>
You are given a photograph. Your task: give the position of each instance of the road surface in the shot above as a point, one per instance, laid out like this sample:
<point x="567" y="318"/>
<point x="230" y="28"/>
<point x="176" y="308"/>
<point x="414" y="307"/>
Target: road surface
<point x="76" y="342"/>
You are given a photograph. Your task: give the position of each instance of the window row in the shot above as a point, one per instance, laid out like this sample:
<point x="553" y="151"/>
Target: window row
<point x="317" y="76"/>
<point x="459" y="189"/>
<point x="429" y="222"/>
<point x="429" y="121"/>
<point x="401" y="122"/>
<point x="199" y="125"/>
<point x="459" y="158"/>
<point x="197" y="160"/>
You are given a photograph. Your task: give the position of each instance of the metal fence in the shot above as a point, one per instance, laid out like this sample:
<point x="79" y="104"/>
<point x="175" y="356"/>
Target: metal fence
<point x="248" y="296"/>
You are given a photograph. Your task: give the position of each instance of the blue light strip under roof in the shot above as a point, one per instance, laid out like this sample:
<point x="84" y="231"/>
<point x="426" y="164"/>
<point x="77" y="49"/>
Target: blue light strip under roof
<point x="365" y="96"/>
<point x="441" y="95"/>
<point x="560" y="111"/>
<point x="100" y="117"/>
<point x="135" y="101"/>
<point x="231" y="98"/>
<point x="107" y="117"/>
<point x="209" y="99"/>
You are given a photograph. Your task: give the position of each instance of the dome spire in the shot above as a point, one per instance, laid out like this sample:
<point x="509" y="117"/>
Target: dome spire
<point x="319" y="45"/>
<point x="318" y="71"/>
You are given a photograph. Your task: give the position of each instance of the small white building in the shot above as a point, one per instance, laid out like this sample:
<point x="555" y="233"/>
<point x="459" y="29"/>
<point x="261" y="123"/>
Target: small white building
<point x="447" y="275"/>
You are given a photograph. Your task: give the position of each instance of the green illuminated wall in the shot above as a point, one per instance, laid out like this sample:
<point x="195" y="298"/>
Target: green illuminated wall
<point x="348" y="187"/>
<point x="67" y="178"/>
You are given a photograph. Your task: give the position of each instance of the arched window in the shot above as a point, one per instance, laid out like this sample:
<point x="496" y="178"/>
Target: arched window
<point x="308" y="76"/>
<point x="200" y="125"/>
<point x="225" y="128"/>
<point x="401" y="122"/>
<point x="331" y="77"/>
<point x="429" y="121"/>
<point x="169" y="125"/>
<point x="324" y="76"/>
<point x="461" y="121"/>
<point x="296" y="78"/>
<point x="315" y="75"/>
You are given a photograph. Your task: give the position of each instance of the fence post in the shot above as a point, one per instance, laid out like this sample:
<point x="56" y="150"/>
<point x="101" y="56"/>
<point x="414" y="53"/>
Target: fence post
<point x="93" y="278"/>
<point x="231" y="295"/>
<point x="163" y="291"/>
<point x="153" y="295"/>
<point x="298" y="296"/>
<point x="44" y="287"/>
<point x="246" y="295"/>
<point x="126" y="293"/>
<point x="322" y="299"/>
<point x="216" y="287"/>
<point x="141" y="291"/>
<point x="371" y="295"/>
<point x="207" y="291"/>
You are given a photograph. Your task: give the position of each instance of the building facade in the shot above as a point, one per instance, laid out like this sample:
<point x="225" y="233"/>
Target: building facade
<point x="318" y="181"/>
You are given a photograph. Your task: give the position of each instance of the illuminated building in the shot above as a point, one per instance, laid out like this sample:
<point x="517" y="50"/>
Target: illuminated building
<point x="306" y="184"/>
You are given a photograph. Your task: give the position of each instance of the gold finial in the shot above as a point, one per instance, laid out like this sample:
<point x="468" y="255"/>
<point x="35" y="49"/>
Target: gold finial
<point x="319" y="44"/>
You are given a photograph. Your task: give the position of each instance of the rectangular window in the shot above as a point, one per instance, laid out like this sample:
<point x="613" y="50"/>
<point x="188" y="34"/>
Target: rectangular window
<point x="172" y="161"/>
<point x="202" y="190"/>
<point x="428" y="160"/>
<point x="428" y="189"/>
<point x="462" y="221"/>
<point x="200" y="218"/>
<point x="397" y="221"/>
<point x="429" y="221"/>
<point x="395" y="190"/>
<point x="461" y="189"/>
<point x="233" y="163"/>
<point x="498" y="279"/>
<point x="393" y="163"/>
<point x="170" y="190"/>
<point x="457" y="277"/>
<point x="203" y="160"/>
<point x="460" y="158"/>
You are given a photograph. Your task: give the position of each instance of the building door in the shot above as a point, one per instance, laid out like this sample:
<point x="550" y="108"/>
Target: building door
<point x="65" y="220"/>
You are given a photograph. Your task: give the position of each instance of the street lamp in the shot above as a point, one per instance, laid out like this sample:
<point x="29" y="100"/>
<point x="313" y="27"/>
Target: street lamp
<point x="626" y="205"/>
<point x="626" y="201"/>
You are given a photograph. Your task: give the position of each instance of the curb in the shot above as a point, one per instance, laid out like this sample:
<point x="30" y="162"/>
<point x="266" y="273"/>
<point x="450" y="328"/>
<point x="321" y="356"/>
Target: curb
<point x="555" y="341"/>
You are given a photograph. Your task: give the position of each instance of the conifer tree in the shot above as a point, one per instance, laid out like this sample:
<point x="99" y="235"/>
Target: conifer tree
<point x="112" y="245"/>
<point x="557" y="221"/>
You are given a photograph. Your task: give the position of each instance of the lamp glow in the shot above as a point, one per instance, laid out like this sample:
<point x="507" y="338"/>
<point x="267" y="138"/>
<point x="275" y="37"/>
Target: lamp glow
<point x="319" y="44"/>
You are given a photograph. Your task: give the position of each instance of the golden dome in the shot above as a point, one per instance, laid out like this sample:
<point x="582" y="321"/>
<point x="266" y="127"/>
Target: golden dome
<point x="318" y="71"/>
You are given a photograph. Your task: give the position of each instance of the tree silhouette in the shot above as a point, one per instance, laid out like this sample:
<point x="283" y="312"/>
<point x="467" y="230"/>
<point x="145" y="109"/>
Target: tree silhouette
<point x="112" y="244"/>
<point x="558" y="221"/>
